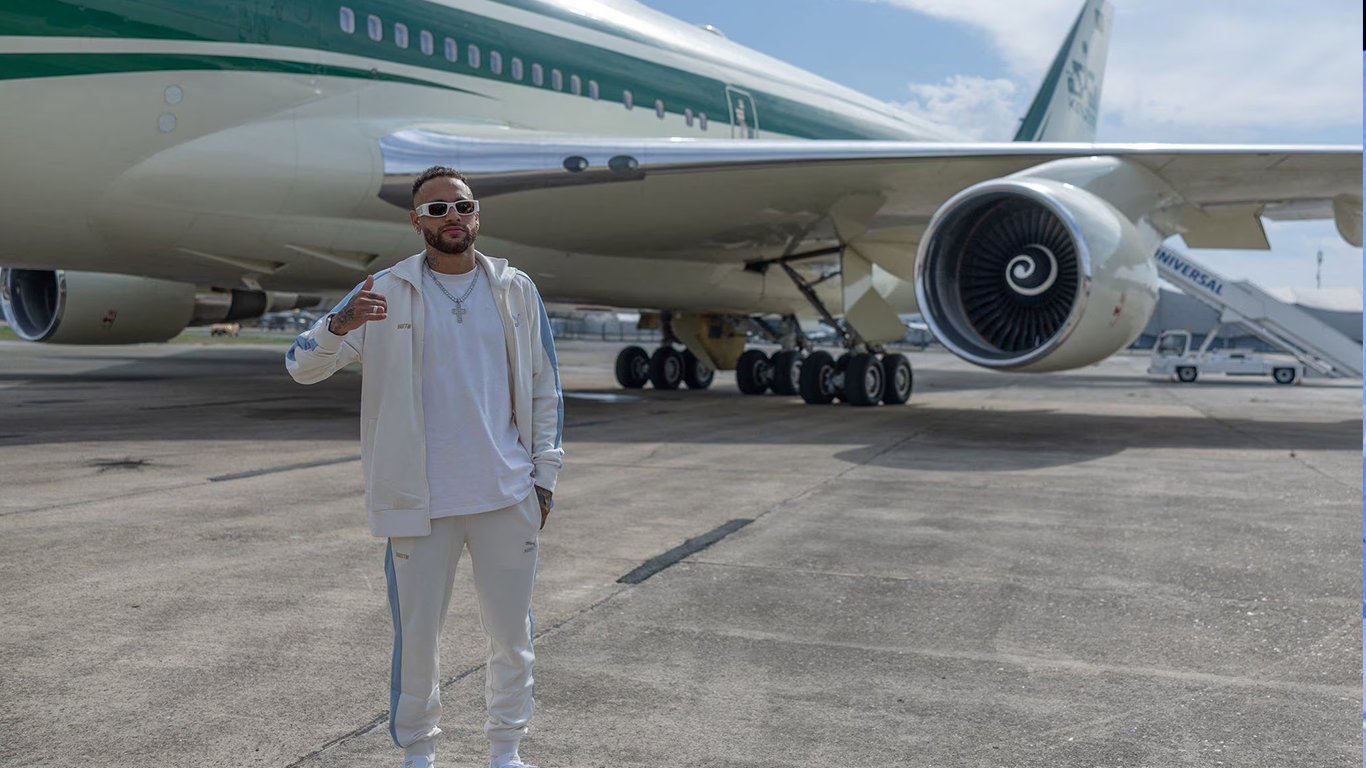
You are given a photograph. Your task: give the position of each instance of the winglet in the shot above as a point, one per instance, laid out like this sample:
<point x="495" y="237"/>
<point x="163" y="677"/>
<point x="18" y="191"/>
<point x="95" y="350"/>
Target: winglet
<point x="1068" y="102"/>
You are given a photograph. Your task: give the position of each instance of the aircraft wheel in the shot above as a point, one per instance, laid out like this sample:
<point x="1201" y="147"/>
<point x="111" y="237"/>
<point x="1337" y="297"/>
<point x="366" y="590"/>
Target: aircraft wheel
<point x="898" y="375"/>
<point x="1283" y="375"/>
<point x="633" y="367"/>
<point x="818" y="379"/>
<point x="695" y="374"/>
<point x="666" y="368"/>
<point x="753" y="372"/>
<point x="864" y="381"/>
<point x="787" y="372"/>
<point x="1186" y="374"/>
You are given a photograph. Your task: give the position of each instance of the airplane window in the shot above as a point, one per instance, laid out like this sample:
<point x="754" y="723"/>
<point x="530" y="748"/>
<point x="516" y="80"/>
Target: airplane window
<point x="659" y="108"/>
<point x="702" y="120"/>
<point x="594" y="92"/>
<point x="472" y="56"/>
<point x="374" y="27"/>
<point x="628" y="99"/>
<point x="348" y="20"/>
<point x="451" y="53"/>
<point x="401" y="35"/>
<point x="424" y="41"/>
<point x="496" y="62"/>
<point x="575" y="85"/>
<point x="537" y="75"/>
<point x="557" y="79"/>
<point x="516" y="68"/>
<point x="687" y="116"/>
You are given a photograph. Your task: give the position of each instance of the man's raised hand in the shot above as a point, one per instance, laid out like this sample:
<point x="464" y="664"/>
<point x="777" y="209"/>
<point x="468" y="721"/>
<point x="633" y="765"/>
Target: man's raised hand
<point x="365" y="306"/>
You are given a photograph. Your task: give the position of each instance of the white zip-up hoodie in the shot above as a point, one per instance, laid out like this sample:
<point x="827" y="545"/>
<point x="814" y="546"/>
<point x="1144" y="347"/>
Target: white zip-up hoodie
<point x="393" y="447"/>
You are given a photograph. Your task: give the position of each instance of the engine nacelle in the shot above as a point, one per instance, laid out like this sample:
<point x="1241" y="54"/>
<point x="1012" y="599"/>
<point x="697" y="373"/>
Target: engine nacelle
<point x="64" y="307"/>
<point x="1034" y="274"/>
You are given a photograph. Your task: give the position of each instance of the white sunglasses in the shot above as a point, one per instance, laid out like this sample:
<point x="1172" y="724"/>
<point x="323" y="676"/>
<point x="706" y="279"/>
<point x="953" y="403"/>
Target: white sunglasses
<point x="439" y="210"/>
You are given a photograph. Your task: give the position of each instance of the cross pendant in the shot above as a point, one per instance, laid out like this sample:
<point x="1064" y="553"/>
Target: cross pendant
<point x="459" y="313"/>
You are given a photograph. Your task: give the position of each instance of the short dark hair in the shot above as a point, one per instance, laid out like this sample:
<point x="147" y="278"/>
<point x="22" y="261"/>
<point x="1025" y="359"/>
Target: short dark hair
<point x="436" y="172"/>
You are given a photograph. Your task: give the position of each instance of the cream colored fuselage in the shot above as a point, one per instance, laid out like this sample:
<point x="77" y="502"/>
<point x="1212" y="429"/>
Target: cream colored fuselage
<point x="251" y="178"/>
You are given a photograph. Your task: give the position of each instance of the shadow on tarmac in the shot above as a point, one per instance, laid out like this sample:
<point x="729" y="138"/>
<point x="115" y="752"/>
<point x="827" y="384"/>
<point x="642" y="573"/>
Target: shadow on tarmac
<point x="246" y="394"/>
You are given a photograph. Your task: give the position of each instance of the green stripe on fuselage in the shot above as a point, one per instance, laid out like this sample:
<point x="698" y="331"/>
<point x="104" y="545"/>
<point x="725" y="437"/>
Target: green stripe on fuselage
<point x="1033" y="119"/>
<point x="32" y="65"/>
<point x="314" y="24"/>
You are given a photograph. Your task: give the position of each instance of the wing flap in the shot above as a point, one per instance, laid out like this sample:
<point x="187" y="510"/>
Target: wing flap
<point x="1224" y="226"/>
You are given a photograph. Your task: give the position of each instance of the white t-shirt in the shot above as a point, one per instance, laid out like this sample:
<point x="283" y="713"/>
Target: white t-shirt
<point x="474" y="461"/>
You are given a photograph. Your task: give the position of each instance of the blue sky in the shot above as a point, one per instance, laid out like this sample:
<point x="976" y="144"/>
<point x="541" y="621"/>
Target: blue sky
<point x="1217" y="71"/>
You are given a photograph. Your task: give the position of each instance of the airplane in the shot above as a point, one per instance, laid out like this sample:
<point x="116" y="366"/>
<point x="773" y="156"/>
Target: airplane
<point x="184" y="162"/>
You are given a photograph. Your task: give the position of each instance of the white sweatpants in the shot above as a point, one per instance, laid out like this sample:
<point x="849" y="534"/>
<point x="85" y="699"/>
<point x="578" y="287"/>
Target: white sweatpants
<point x="420" y="572"/>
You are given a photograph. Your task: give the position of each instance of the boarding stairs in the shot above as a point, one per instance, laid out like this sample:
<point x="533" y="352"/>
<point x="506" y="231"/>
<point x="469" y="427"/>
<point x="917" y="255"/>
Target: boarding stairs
<point x="1284" y="326"/>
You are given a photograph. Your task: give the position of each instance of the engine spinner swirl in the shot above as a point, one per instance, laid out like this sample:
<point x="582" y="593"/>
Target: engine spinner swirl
<point x="1020" y="272"/>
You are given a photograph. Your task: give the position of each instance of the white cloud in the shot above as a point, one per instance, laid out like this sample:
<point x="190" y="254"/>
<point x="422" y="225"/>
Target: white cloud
<point x="1026" y="34"/>
<point x="1232" y="75"/>
<point x="981" y="109"/>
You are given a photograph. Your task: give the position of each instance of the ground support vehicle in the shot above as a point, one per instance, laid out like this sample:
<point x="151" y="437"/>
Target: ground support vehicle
<point x="1173" y="357"/>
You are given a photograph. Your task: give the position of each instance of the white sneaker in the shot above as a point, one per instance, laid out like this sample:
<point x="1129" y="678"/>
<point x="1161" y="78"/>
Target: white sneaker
<point x="419" y="761"/>
<point x="510" y="760"/>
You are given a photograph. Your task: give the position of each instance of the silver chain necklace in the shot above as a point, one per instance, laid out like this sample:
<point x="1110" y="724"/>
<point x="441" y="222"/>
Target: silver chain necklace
<point x="459" y="310"/>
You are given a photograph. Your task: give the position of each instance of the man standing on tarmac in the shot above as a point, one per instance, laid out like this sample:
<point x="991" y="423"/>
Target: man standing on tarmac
<point x="461" y="419"/>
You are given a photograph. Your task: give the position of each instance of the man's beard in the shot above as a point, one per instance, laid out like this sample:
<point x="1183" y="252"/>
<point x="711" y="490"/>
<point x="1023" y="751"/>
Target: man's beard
<point x="439" y="242"/>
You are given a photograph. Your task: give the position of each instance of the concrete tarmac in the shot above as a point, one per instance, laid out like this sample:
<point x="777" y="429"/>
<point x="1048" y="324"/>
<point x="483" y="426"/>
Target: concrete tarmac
<point x="1083" y="569"/>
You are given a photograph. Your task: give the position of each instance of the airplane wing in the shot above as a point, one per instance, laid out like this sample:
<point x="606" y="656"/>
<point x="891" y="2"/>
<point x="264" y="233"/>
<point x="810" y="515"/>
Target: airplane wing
<point x="750" y="200"/>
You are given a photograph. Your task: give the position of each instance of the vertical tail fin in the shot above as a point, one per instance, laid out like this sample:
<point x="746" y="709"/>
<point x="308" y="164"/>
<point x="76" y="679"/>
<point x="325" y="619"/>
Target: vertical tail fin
<point x="1068" y="102"/>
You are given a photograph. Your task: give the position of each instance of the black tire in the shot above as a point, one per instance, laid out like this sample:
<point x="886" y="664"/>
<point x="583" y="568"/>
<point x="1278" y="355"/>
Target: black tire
<point x="695" y="374"/>
<point x="897" y="370"/>
<point x="787" y="373"/>
<point x="1283" y="375"/>
<point x="633" y="367"/>
<point x="753" y="372"/>
<point x="666" y="368"/>
<point x="864" y="380"/>
<point x="818" y="379"/>
<point x="1186" y="374"/>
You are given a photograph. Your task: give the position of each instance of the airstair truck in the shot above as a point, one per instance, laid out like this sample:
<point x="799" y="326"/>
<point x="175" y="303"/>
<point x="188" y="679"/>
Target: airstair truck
<point x="1173" y="357"/>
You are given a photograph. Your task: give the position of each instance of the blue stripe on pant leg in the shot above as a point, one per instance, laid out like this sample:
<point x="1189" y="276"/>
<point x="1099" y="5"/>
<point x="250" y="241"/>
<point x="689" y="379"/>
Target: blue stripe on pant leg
<point x="395" y="674"/>
<point x="531" y="638"/>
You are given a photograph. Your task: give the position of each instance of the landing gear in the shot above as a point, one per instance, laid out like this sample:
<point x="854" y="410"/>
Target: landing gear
<point x="899" y="379"/>
<point x="633" y="368"/>
<point x="666" y="368"/>
<point x="753" y="372"/>
<point x="860" y="379"/>
<point x="841" y="365"/>
<point x="818" y="385"/>
<point x="696" y="374"/>
<point x="787" y="371"/>
<point x="864" y="380"/>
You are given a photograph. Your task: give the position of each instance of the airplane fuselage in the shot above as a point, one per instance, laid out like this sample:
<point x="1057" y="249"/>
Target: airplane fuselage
<point x="229" y="142"/>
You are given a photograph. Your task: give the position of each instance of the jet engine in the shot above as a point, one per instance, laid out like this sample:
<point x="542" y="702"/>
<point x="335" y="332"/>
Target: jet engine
<point x="65" y="307"/>
<point x="1034" y="274"/>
